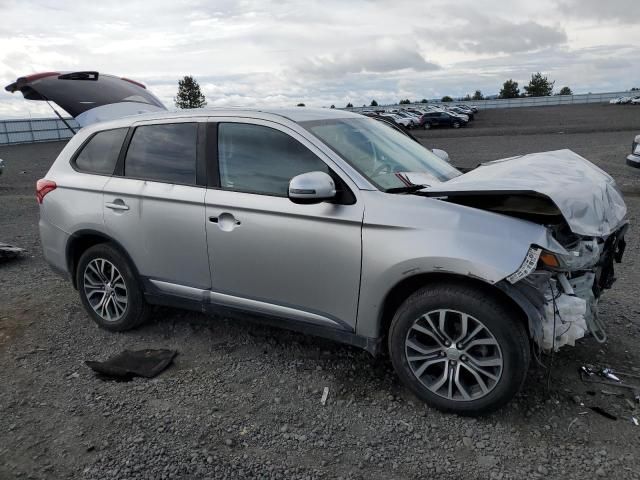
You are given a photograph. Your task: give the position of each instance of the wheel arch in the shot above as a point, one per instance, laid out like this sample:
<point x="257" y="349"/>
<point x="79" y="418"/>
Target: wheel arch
<point x="407" y="286"/>
<point x="82" y="240"/>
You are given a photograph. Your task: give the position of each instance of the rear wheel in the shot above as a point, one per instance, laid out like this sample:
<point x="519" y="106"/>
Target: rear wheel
<point x="458" y="349"/>
<point x="426" y="125"/>
<point x="109" y="289"/>
<point x="456" y="125"/>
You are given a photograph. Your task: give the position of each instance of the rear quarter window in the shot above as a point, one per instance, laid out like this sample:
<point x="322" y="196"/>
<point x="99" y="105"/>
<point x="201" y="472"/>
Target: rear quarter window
<point x="100" y="154"/>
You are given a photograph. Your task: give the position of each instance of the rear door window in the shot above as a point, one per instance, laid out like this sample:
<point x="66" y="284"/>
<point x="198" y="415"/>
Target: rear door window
<point x="258" y="159"/>
<point x="100" y="154"/>
<point x="163" y="153"/>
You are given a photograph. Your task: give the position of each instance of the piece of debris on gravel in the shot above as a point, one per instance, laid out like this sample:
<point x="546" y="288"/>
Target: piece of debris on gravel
<point x="9" y="251"/>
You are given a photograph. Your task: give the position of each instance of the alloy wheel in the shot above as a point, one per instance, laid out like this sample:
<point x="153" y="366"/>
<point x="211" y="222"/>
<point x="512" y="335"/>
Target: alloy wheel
<point x="105" y="289"/>
<point x="454" y="355"/>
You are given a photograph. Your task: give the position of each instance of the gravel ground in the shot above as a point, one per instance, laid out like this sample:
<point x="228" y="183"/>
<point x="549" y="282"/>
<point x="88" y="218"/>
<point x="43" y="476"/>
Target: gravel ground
<point x="243" y="400"/>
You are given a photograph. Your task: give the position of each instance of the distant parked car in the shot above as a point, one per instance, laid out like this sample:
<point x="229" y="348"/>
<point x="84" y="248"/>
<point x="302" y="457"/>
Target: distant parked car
<point x="442" y="119"/>
<point x="625" y="99"/>
<point x="467" y="108"/>
<point x="614" y="101"/>
<point x="462" y="111"/>
<point x="400" y="120"/>
<point x="636" y="100"/>
<point x="633" y="159"/>
<point x="413" y="119"/>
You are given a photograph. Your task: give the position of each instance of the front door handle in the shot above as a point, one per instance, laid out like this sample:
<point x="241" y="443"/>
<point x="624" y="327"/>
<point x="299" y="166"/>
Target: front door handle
<point x="226" y="221"/>
<point x="117" y="205"/>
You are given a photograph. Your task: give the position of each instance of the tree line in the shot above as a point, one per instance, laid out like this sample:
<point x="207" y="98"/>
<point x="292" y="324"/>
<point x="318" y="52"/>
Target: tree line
<point x="190" y="96"/>
<point x="539" y="86"/>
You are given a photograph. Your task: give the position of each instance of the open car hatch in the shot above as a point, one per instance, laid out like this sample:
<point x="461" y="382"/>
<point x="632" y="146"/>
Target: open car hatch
<point x="89" y="97"/>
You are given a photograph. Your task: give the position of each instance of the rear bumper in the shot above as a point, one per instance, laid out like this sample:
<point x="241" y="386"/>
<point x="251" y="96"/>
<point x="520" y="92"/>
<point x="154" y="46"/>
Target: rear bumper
<point x="54" y="244"/>
<point x="633" y="160"/>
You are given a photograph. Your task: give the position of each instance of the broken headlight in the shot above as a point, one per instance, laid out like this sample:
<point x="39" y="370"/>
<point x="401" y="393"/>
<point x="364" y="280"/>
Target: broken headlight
<point x="585" y="255"/>
<point x="528" y="265"/>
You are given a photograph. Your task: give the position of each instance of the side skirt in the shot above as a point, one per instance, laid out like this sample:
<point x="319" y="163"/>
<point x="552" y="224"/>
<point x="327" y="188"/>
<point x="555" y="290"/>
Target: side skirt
<point x="203" y="301"/>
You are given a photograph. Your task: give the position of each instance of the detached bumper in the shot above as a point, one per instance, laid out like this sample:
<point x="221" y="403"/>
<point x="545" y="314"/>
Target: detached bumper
<point x="633" y="160"/>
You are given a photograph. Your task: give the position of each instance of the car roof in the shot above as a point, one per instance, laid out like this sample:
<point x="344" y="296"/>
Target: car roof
<point x="295" y="114"/>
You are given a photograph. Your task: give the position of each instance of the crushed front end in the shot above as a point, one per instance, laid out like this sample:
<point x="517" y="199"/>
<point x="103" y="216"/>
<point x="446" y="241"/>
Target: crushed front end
<point x="564" y="289"/>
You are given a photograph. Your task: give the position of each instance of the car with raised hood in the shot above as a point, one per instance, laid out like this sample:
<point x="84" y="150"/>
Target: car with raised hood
<point x="331" y="223"/>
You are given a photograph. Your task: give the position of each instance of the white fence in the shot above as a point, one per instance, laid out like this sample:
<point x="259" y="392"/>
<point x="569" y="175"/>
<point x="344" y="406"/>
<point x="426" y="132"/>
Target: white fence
<point x="35" y="130"/>
<point x="521" y="102"/>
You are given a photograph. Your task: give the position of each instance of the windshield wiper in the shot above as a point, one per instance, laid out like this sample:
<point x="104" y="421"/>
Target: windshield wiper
<point x="407" y="189"/>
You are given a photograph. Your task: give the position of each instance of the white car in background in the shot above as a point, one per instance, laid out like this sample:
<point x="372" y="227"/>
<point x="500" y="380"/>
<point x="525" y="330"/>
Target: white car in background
<point x="633" y="159"/>
<point x="614" y="101"/>
<point x="636" y="100"/>
<point x="404" y="121"/>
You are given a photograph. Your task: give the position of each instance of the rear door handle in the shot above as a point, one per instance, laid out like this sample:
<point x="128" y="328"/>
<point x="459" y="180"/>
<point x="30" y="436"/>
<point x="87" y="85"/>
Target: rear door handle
<point x="117" y="205"/>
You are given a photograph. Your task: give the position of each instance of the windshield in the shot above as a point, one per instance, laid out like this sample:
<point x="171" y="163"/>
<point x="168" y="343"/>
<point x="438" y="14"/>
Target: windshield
<point x="378" y="151"/>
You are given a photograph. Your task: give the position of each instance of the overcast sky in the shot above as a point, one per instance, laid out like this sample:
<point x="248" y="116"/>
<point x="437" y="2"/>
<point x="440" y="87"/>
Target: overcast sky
<point x="282" y="52"/>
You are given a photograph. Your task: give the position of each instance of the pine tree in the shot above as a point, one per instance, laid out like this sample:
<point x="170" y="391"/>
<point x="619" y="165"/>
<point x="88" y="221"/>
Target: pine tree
<point x="539" y="86"/>
<point x="189" y="94"/>
<point x="510" y="89"/>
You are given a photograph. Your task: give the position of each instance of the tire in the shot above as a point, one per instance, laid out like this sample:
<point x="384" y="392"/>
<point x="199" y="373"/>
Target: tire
<point x="503" y="337"/>
<point x="426" y="126"/>
<point x="456" y="125"/>
<point x="103" y="272"/>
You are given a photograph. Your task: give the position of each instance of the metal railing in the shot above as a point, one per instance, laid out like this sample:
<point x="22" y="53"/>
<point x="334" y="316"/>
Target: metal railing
<point x="518" y="102"/>
<point x="35" y="130"/>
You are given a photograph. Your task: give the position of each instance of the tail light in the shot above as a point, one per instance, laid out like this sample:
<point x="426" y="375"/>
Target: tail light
<point x="44" y="186"/>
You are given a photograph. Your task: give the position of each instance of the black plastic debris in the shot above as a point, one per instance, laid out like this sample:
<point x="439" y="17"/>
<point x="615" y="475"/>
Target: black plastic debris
<point x="128" y="364"/>
<point x="8" y="252"/>
<point x="604" y="413"/>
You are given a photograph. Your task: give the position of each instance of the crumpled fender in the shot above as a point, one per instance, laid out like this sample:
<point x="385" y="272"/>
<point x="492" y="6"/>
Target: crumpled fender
<point x="409" y="235"/>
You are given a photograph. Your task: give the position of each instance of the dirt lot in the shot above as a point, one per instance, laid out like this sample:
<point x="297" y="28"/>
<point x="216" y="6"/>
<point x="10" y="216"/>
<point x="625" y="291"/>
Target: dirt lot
<point x="243" y="400"/>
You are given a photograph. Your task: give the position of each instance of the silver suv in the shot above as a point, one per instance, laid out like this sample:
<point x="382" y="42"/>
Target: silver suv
<point x="330" y="223"/>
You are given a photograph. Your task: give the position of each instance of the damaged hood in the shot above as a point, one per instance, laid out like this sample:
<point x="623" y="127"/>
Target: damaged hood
<point x="559" y="181"/>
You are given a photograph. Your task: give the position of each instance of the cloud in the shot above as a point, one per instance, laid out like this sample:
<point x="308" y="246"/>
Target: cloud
<point x="320" y="52"/>
<point x="622" y="11"/>
<point x="483" y="35"/>
<point x="381" y="56"/>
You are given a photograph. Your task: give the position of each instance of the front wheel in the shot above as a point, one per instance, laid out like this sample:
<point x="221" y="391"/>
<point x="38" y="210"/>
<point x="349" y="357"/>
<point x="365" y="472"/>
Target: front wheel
<point x="459" y="349"/>
<point x="109" y="289"/>
<point x="426" y="126"/>
<point x="456" y="125"/>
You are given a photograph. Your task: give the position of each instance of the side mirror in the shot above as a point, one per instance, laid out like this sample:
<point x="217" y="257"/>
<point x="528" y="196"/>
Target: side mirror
<point x="441" y="153"/>
<point x="312" y="187"/>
